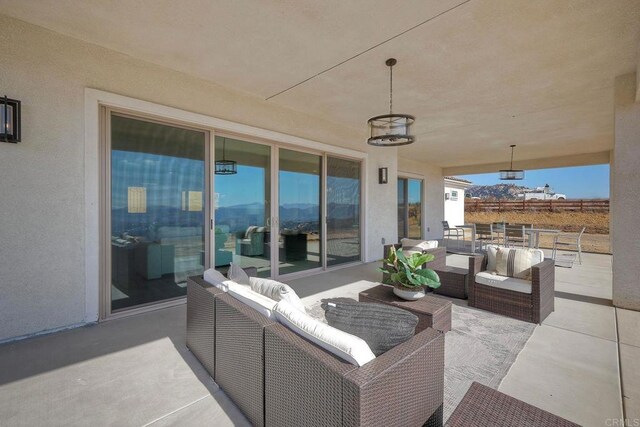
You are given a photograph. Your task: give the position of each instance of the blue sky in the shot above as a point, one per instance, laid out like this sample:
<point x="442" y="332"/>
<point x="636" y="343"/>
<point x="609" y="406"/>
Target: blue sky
<point x="581" y="182"/>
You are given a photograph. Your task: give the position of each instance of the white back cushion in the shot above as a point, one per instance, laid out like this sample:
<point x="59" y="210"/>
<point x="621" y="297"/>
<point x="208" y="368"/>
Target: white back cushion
<point x="260" y="303"/>
<point x="517" y="262"/>
<point x="412" y="246"/>
<point x="346" y="346"/>
<point x="276" y="291"/>
<point x="217" y="279"/>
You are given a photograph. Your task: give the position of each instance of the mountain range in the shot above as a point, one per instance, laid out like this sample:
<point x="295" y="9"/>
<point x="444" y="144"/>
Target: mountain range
<point x="496" y="191"/>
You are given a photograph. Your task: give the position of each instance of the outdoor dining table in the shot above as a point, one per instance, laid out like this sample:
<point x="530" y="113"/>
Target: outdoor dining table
<point x="534" y="235"/>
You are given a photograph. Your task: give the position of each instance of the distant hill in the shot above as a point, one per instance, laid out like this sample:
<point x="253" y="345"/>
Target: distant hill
<point x="496" y="191"/>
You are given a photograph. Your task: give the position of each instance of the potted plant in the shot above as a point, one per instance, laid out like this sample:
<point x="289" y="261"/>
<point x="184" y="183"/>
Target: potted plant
<point x="407" y="275"/>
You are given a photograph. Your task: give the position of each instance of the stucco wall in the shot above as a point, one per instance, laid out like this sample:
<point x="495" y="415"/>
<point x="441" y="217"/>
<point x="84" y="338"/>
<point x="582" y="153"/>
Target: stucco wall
<point x="624" y="215"/>
<point x="454" y="209"/>
<point x="42" y="283"/>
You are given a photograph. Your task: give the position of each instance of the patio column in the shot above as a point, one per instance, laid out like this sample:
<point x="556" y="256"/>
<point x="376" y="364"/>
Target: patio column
<point x="625" y="197"/>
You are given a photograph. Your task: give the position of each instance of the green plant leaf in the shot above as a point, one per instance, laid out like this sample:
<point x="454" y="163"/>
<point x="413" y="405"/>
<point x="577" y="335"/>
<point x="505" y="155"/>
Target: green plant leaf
<point x="429" y="277"/>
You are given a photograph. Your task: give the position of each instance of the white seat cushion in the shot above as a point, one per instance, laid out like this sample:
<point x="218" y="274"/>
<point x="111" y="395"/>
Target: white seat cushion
<point x="411" y="246"/>
<point x="344" y="345"/>
<point x="276" y="291"/>
<point x="260" y="303"/>
<point x="492" y="279"/>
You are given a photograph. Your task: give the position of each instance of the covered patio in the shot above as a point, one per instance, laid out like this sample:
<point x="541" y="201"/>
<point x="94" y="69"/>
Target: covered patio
<point x="137" y="371"/>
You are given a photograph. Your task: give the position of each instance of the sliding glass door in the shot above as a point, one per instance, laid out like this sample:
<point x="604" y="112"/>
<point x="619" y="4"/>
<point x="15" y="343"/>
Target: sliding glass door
<point x="409" y="208"/>
<point x="343" y="211"/>
<point x="299" y="211"/>
<point x="242" y="207"/>
<point x="158" y="210"/>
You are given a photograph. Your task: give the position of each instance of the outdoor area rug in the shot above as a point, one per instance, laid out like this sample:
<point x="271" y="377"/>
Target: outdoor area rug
<point x="565" y="260"/>
<point x="481" y="346"/>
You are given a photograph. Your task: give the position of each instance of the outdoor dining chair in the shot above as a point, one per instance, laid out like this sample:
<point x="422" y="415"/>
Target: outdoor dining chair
<point x="568" y="240"/>
<point x="515" y="234"/>
<point x="453" y="232"/>
<point x="484" y="234"/>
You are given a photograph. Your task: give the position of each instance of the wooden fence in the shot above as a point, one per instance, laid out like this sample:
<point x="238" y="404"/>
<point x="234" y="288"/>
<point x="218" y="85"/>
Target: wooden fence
<point x="578" y="205"/>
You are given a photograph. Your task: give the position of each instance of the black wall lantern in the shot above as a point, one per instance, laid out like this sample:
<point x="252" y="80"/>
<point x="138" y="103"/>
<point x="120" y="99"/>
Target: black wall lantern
<point x="9" y="120"/>
<point x="383" y="175"/>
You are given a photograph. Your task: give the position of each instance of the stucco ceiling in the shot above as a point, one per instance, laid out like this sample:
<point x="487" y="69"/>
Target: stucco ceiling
<point x="485" y="74"/>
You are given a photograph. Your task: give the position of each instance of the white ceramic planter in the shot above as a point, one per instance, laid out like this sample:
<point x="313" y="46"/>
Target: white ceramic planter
<point x="409" y="295"/>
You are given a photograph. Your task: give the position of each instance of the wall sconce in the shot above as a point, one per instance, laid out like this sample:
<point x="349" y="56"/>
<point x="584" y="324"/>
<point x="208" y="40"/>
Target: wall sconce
<point x="383" y="175"/>
<point x="9" y="120"/>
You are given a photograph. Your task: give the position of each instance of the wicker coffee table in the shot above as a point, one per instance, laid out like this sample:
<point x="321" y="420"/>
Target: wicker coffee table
<point x="432" y="312"/>
<point x="485" y="407"/>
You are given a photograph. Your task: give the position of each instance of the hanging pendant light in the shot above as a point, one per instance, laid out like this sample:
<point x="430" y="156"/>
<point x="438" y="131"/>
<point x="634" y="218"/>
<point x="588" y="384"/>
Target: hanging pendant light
<point x="224" y="166"/>
<point x="511" y="174"/>
<point x="390" y="130"/>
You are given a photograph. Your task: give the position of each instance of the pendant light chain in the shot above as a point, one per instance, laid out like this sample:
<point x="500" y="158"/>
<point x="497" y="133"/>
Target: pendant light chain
<point x="391" y="89"/>
<point x="512" y="156"/>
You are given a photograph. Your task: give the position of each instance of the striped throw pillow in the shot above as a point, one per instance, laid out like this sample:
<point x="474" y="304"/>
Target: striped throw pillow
<point x="515" y="262"/>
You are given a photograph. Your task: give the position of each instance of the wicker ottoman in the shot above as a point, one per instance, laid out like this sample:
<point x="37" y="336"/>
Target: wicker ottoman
<point x="453" y="282"/>
<point x="485" y="407"/>
<point x="432" y="312"/>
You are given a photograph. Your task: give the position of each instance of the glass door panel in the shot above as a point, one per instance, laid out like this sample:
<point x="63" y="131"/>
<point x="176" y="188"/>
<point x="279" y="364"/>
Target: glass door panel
<point x="159" y="211"/>
<point x="343" y="211"/>
<point x="242" y="204"/>
<point x="299" y="191"/>
<point x="414" y="209"/>
<point x="402" y="208"/>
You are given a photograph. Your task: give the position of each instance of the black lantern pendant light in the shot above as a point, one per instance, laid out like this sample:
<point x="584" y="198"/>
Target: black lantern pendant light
<point x="511" y="174"/>
<point x="224" y="166"/>
<point x="390" y="130"/>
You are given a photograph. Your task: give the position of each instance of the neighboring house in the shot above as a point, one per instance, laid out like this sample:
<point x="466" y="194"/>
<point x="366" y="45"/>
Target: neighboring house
<point x="454" y="189"/>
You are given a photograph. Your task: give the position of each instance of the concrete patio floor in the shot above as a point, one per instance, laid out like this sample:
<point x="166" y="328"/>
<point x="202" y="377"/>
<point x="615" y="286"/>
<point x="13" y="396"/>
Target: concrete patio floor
<point x="137" y="370"/>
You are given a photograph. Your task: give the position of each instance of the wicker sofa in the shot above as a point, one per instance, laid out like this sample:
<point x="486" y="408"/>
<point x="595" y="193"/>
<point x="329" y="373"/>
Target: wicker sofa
<point x="531" y="307"/>
<point x="278" y="378"/>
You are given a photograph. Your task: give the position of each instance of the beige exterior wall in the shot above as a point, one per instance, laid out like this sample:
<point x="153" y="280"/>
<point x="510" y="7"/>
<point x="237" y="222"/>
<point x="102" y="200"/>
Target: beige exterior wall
<point x="625" y="198"/>
<point x="42" y="210"/>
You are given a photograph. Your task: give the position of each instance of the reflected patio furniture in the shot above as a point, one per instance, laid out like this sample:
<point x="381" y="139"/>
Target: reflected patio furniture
<point x="223" y="256"/>
<point x="449" y="232"/>
<point x="294" y="245"/>
<point x="567" y="240"/>
<point x="250" y="242"/>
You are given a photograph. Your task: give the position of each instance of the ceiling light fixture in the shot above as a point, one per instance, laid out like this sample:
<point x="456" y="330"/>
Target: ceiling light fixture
<point x="390" y="130"/>
<point x="511" y="174"/>
<point x="224" y="166"/>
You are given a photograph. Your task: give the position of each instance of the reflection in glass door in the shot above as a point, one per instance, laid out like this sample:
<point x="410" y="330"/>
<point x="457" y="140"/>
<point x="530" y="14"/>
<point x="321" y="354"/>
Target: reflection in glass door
<point x="343" y="211"/>
<point x="158" y="197"/>
<point x="409" y="208"/>
<point x="299" y="191"/>
<point x="242" y="207"/>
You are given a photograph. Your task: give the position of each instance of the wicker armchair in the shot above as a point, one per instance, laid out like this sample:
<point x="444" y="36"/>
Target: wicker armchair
<point x="439" y="261"/>
<point x="533" y="307"/>
<point x="308" y="386"/>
